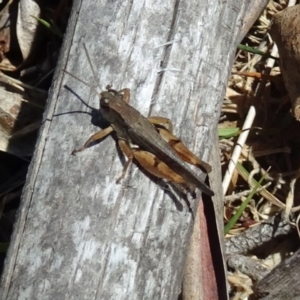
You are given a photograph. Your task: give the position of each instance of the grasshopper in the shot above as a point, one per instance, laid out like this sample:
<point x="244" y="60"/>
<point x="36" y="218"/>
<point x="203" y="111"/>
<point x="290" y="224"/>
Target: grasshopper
<point x="154" y="147"/>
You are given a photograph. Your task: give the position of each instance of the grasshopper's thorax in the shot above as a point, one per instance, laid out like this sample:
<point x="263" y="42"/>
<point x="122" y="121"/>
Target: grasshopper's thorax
<point x="110" y="106"/>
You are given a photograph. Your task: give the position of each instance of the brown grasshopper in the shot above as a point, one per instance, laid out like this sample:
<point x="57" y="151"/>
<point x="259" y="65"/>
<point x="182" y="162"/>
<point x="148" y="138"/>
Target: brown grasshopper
<point x="145" y="140"/>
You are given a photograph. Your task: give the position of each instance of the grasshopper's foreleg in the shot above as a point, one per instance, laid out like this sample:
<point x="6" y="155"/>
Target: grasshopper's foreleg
<point x="182" y="151"/>
<point x="125" y="148"/>
<point x="94" y="138"/>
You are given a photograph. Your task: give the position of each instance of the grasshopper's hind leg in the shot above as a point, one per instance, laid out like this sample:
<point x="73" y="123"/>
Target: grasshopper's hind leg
<point x="149" y="162"/>
<point x="182" y="151"/>
<point x="162" y="121"/>
<point x="94" y="138"/>
<point x="152" y="164"/>
<point x="176" y="144"/>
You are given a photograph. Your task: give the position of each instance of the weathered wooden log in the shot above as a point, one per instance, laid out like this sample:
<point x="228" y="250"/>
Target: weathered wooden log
<point x="79" y="235"/>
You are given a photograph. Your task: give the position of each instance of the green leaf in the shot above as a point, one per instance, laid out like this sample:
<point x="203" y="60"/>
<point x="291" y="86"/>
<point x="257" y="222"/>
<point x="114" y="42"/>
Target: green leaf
<point x="244" y="204"/>
<point x="52" y="27"/>
<point x="255" y="51"/>
<point x="226" y="133"/>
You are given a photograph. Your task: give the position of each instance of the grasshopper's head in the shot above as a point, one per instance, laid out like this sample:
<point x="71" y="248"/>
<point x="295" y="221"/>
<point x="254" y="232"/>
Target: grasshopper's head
<point x="110" y="105"/>
<point x="105" y="100"/>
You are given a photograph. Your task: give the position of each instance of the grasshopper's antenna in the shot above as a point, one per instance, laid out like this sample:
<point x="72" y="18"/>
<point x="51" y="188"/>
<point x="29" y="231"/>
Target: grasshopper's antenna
<point x="91" y="66"/>
<point x="90" y="62"/>
<point x="82" y="81"/>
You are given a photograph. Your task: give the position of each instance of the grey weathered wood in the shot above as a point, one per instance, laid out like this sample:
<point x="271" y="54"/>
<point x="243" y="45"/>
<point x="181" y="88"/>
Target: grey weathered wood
<point x="282" y="282"/>
<point x="79" y="235"/>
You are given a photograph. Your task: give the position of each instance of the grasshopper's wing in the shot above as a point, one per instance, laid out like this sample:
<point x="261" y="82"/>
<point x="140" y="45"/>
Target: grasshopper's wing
<point x="154" y="143"/>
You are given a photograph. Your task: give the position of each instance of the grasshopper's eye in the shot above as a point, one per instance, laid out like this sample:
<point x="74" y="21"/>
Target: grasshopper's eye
<point x="104" y="102"/>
